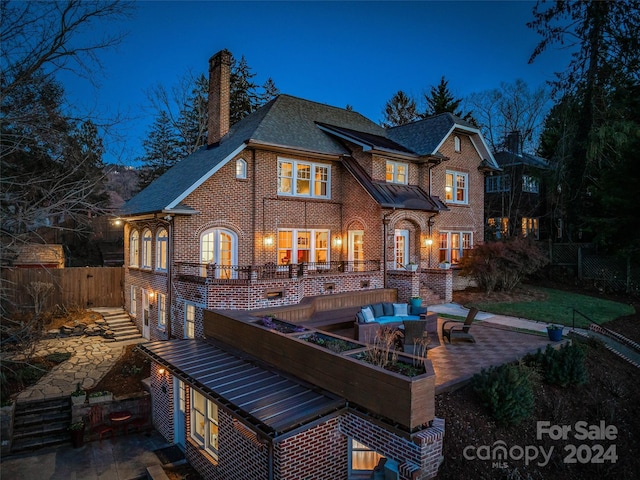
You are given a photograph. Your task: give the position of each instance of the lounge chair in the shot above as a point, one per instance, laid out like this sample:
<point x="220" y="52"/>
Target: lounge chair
<point x="455" y="330"/>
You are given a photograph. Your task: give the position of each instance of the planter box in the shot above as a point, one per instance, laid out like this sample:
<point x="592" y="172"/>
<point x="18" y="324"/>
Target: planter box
<point x="78" y="399"/>
<point x="445" y="266"/>
<point x="406" y="401"/>
<point x="101" y="398"/>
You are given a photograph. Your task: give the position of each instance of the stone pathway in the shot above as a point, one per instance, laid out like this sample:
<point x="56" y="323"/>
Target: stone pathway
<point x="92" y="358"/>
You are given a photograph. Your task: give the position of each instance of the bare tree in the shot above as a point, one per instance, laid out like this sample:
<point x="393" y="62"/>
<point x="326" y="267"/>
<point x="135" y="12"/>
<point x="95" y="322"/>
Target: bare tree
<point x="511" y="107"/>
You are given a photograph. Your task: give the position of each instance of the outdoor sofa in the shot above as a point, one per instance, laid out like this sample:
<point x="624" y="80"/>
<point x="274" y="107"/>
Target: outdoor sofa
<point x="385" y="314"/>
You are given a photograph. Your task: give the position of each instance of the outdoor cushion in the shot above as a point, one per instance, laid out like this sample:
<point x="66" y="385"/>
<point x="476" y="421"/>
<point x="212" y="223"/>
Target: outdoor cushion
<point x="388" y="308"/>
<point x="377" y="310"/>
<point x="395" y="319"/>
<point x="360" y="317"/>
<point x="400" y="309"/>
<point x="368" y="315"/>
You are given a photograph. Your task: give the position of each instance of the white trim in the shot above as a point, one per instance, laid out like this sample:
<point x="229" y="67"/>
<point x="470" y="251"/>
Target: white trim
<point x="475" y="133"/>
<point x="205" y="177"/>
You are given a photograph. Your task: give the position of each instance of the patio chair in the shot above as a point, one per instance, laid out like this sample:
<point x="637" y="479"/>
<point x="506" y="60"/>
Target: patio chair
<point x="455" y="330"/>
<point x="96" y="422"/>
<point x="142" y="419"/>
<point x="414" y="330"/>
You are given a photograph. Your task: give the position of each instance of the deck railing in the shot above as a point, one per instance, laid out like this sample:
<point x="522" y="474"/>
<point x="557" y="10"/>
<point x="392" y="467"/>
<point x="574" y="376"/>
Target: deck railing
<point x="213" y="273"/>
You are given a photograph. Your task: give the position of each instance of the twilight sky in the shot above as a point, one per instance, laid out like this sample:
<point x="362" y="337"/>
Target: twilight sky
<point x="338" y="53"/>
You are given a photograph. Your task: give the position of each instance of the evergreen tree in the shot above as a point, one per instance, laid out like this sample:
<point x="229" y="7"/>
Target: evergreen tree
<point x="192" y="122"/>
<point x="162" y="149"/>
<point x="399" y="110"/>
<point x="441" y="100"/>
<point x="591" y="134"/>
<point x="244" y="96"/>
<point x="270" y="91"/>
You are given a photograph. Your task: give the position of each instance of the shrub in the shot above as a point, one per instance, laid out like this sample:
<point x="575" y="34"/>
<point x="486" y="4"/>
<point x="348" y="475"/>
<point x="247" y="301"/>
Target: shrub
<point x="507" y="391"/>
<point x="502" y="264"/>
<point x="563" y="367"/>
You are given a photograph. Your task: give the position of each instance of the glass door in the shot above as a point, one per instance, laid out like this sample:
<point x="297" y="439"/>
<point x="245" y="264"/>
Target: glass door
<point x="355" y="253"/>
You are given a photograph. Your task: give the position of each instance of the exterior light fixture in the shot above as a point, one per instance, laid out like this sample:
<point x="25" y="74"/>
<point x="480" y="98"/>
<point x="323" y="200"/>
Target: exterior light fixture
<point x="268" y="241"/>
<point x="428" y="242"/>
<point x="117" y="222"/>
<point x="337" y="241"/>
<point x="161" y="371"/>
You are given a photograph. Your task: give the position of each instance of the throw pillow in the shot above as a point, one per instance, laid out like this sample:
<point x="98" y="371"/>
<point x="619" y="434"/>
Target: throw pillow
<point x="400" y="309"/>
<point x="388" y="309"/>
<point x="377" y="310"/>
<point x="360" y="317"/>
<point x="367" y="313"/>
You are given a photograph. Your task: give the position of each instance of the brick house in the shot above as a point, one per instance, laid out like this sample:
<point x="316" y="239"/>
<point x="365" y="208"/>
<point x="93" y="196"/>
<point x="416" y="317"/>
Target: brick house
<point x="515" y="197"/>
<point x="297" y="200"/>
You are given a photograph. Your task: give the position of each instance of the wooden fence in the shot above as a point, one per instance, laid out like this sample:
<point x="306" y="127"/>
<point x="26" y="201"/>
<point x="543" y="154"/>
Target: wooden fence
<point x="72" y="287"/>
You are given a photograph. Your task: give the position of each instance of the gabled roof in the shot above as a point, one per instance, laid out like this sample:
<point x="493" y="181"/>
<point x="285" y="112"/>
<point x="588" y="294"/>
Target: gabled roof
<point x="297" y="124"/>
<point x="284" y="121"/>
<point x="425" y="137"/>
<point x="508" y="159"/>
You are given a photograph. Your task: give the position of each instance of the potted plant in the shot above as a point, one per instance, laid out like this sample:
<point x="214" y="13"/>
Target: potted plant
<point x="416" y="301"/>
<point x="77" y="434"/>
<point x="411" y="266"/>
<point x="98" y="397"/>
<point x="554" y="332"/>
<point x="79" y="396"/>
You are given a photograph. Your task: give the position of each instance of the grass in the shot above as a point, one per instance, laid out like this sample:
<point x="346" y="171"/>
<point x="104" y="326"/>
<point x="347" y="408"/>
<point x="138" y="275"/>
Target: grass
<point x="558" y="308"/>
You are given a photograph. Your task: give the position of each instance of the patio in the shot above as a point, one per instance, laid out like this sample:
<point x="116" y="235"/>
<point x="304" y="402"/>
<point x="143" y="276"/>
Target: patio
<point x="456" y="363"/>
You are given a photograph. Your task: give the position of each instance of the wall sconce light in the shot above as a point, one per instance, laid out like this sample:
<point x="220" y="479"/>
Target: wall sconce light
<point x="151" y="297"/>
<point x="161" y="371"/>
<point x="428" y="242"/>
<point x="337" y="241"/>
<point x="117" y="222"/>
<point x="268" y="241"/>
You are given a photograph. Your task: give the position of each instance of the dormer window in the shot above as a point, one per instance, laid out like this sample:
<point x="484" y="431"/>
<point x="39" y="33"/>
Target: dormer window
<point x="397" y="172"/>
<point x="456" y="143"/>
<point x="241" y="168"/>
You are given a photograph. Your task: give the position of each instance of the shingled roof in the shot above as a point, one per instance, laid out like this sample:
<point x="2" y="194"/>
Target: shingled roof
<point x="508" y="159"/>
<point x="298" y="124"/>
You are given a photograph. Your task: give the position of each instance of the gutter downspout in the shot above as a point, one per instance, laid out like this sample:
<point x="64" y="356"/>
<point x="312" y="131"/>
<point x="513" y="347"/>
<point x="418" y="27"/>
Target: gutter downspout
<point x="270" y="461"/>
<point x="169" y="305"/>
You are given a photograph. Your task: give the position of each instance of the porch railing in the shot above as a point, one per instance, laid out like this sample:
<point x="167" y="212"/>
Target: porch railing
<point x="214" y="273"/>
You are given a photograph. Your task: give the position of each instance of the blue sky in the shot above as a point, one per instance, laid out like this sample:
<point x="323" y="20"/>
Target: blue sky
<point x="339" y="53"/>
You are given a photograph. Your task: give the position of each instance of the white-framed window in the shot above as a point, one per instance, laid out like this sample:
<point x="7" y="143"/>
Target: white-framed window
<point x="497" y="183"/>
<point x="401" y="248"/>
<point x="204" y="422"/>
<point x="189" y="320"/>
<point x="162" y="249"/>
<point x="134" y="248"/>
<point x="304" y="179"/>
<point x="303" y="246"/>
<point x="241" y="168"/>
<point x="530" y="184"/>
<point x="500" y="225"/>
<point x="453" y="246"/>
<point x="530" y="227"/>
<point x="456" y="188"/>
<point x="362" y="460"/>
<point x="162" y="311"/>
<point x="397" y="172"/>
<point x="456" y="143"/>
<point x="146" y="248"/>
<point x="219" y="246"/>
<point x="133" y="304"/>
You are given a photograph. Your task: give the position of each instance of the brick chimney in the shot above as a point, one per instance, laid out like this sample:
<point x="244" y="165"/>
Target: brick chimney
<point x="514" y="142"/>
<point x="219" y="96"/>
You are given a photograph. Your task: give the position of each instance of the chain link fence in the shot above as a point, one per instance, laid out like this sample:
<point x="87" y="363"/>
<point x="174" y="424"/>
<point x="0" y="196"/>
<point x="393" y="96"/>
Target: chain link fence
<point x="583" y="263"/>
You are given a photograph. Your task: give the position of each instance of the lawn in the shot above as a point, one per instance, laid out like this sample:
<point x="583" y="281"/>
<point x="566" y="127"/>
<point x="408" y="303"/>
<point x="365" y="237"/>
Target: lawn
<point x="556" y="306"/>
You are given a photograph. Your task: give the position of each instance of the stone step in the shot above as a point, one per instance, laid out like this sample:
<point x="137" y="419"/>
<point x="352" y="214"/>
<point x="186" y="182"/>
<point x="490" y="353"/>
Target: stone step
<point x="41" y="423"/>
<point x="27" y="421"/>
<point x="120" y="328"/>
<point x="34" y="443"/>
<point x="119" y="316"/>
<point x="42" y="429"/>
<point x="113" y="325"/>
<point x="124" y="338"/>
<point x="26" y="408"/>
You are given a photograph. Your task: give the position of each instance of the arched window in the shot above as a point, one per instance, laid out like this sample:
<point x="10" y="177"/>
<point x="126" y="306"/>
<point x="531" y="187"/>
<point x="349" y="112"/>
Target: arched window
<point x="456" y="143"/>
<point x="219" y="246"/>
<point x="134" y="248"/>
<point x="146" y="249"/>
<point x="241" y="168"/>
<point x="162" y="243"/>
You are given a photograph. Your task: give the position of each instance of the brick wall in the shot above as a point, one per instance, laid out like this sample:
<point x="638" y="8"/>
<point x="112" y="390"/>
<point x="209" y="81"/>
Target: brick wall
<point x="320" y="452"/>
<point x="162" y="402"/>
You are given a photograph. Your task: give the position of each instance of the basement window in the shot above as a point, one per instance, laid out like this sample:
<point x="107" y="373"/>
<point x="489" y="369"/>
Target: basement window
<point x="274" y="294"/>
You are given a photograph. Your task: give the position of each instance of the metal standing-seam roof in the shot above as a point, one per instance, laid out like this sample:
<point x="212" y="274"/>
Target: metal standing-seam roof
<point x="268" y="400"/>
